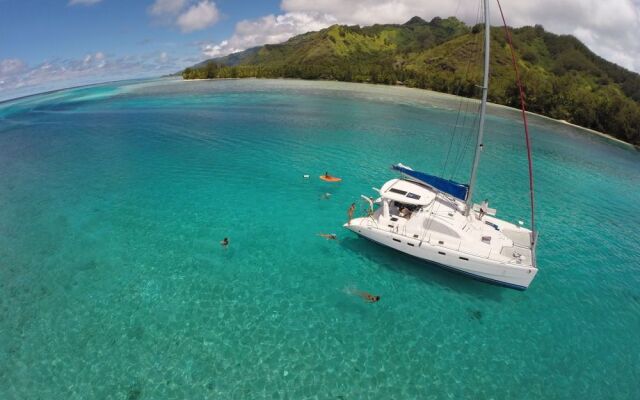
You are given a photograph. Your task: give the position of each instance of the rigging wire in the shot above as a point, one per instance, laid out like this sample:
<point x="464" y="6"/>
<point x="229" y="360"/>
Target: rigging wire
<point x="467" y="103"/>
<point x="463" y="102"/>
<point x="526" y="126"/>
<point x="462" y="149"/>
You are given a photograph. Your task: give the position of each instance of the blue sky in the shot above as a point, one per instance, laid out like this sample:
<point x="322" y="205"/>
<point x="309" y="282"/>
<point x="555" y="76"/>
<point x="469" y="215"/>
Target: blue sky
<point x="138" y="42"/>
<point x="50" y="44"/>
<point x="37" y="30"/>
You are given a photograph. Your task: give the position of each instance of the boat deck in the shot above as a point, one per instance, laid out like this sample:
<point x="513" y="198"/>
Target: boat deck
<point x="441" y="223"/>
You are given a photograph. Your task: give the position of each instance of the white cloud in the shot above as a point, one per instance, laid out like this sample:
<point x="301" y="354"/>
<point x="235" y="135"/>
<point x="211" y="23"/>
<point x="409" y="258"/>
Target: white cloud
<point x="198" y="16"/>
<point x="188" y="15"/>
<point x="83" y="2"/>
<point x="19" y="79"/>
<point x="608" y="28"/>
<point x="268" y="30"/>
<point x="215" y="50"/>
<point x="367" y="12"/>
<point x="11" y="66"/>
<point x="90" y="61"/>
<point x="160" y="7"/>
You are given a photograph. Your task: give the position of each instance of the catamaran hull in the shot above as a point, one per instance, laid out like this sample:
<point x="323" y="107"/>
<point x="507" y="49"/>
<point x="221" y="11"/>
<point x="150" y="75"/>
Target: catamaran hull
<point x="508" y="275"/>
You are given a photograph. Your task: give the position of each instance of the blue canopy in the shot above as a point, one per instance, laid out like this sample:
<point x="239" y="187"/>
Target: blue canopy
<point x="455" y="189"/>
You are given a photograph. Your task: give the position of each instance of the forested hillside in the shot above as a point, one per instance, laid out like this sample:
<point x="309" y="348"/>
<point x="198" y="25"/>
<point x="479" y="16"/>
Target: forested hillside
<point x="563" y="79"/>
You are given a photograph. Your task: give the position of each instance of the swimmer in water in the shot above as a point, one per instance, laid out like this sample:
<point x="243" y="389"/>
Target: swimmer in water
<point x="366" y="296"/>
<point x="326" y="196"/>
<point x="224" y="242"/>
<point x="328" y="236"/>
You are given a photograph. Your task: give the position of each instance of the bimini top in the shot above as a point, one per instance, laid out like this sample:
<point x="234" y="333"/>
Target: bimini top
<point x="407" y="192"/>
<point x="457" y="190"/>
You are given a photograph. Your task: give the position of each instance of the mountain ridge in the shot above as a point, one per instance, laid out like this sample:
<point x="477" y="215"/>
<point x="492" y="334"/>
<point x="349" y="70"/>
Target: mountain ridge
<point x="563" y="79"/>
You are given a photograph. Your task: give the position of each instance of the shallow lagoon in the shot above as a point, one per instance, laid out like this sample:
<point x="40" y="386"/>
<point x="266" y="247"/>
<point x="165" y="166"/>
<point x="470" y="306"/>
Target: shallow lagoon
<point x="113" y="199"/>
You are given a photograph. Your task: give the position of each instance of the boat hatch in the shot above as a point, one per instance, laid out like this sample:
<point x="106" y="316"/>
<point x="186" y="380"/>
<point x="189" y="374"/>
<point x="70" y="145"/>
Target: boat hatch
<point x="407" y="192"/>
<point x="403" y="193"/>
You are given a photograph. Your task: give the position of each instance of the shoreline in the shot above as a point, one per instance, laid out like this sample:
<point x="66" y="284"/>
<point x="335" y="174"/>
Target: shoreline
<point x="502" y="106"/>
<point x="591" y="131"/>
<point x="567" y="123"/>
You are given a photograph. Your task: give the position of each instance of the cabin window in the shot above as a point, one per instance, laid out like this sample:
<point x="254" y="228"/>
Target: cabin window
<point x="410" y="207"/>
<point x="402" y="192"/>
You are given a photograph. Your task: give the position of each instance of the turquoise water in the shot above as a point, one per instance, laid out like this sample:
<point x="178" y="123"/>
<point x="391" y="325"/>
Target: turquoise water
<point x="113" y="285"/>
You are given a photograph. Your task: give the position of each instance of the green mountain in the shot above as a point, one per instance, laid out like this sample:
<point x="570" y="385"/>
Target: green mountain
<point x="563" y="79"/>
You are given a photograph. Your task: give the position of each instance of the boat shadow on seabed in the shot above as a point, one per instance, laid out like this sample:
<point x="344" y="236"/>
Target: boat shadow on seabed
<point x="430" y="273"/>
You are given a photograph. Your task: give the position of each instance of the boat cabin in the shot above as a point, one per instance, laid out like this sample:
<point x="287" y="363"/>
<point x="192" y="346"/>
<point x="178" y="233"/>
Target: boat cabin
<point x="401" y="198"/>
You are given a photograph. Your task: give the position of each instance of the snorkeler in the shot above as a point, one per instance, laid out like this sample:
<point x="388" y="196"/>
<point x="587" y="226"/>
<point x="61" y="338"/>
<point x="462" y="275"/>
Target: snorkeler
<point x="328" y="236"/>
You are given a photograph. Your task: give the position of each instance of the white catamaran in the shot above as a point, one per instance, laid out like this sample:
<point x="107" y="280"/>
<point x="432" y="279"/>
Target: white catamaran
<point x="434" y="219"/>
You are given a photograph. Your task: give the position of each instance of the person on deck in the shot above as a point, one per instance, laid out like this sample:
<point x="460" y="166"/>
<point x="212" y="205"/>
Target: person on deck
<point x="405" y="213"/>
<point x="483" y="209"/>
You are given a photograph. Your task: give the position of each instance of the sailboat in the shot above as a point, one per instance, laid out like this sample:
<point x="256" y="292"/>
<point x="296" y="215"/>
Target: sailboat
<point x="435" y="219"/>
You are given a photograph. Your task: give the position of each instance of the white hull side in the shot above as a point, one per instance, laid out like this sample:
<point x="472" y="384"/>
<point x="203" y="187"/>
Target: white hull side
<point x="505" y="274"/>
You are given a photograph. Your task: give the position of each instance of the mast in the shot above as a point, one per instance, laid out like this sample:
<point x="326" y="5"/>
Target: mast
<point x="483" y="107"/>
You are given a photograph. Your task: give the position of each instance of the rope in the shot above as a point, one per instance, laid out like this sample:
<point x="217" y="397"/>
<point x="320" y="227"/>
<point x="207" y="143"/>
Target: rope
<point x="526" y="126"/>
